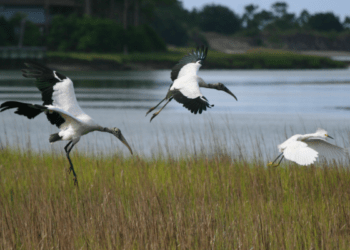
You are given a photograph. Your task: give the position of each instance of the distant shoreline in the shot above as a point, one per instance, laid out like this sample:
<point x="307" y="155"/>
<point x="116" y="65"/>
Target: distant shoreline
<point x="255" y="58"/>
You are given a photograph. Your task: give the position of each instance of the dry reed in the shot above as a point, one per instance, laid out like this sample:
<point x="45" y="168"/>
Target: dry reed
<point x="166" y="203"/>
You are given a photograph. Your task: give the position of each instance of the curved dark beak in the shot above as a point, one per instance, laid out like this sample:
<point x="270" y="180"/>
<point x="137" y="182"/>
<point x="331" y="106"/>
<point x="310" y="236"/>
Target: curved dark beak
<point x="229" y="92"/>
<point x="330" y="137"/>
<point x="122" y="139"/>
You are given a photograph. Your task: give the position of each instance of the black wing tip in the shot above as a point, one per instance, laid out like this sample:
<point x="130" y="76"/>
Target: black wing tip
<point x="193" y="56"/>
<point x="25" y="109"/>
<point x="201" y="52"/>
<point x="197" y="105"/>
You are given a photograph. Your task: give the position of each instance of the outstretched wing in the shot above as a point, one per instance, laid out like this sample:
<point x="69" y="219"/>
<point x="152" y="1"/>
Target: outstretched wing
<point x="196" y="104"/>
<point x="300" y="153"/>
<point x="31" y="111"/>
<point x="56" y="89"/>
<point x="325" y="149"/>
<point x="188" y="62"/>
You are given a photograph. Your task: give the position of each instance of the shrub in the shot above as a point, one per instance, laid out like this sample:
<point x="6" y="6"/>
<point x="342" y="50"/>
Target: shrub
<point x="91" y="34"/>
<point x="6" y="33"/>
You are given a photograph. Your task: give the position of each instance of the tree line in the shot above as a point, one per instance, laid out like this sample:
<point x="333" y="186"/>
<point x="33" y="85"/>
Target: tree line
<point x="140" y="25"/>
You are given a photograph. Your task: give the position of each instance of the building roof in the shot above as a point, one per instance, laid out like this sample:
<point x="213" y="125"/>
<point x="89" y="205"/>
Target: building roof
<point x="67" y="3"/>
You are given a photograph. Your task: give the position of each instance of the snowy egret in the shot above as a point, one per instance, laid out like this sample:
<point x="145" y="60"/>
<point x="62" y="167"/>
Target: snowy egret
<point x="304" y="149"/>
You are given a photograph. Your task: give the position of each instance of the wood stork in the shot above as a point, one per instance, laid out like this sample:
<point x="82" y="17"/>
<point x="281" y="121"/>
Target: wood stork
<point x="186" y="83"/>
<point x="61" y="109"/>
<point x="304" y="149"/>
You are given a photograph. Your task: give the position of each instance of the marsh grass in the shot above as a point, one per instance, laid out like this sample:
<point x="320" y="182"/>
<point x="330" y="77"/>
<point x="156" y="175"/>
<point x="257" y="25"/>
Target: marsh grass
<point x="199" y="191"/>
<point x="197" y="202"/>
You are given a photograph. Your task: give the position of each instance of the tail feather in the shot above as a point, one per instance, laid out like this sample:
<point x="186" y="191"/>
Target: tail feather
<point x="26" y="109"/>
<point x="54" y="137"/>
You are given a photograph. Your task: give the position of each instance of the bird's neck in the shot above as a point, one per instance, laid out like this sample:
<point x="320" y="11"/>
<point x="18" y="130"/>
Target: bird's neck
<point x="202" y="83"/>
<point x="103" y="129"/>
<point x="306" y="136"/>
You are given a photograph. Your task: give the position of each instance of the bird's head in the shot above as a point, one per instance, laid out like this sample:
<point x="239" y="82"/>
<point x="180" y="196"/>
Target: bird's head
<point x="221" y="86"/>
<point x="323" y="133"/>
<point x="117" y="133"/>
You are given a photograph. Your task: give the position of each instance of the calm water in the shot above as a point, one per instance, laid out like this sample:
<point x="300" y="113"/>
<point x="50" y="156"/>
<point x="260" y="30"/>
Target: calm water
<point x="272" y="105"/>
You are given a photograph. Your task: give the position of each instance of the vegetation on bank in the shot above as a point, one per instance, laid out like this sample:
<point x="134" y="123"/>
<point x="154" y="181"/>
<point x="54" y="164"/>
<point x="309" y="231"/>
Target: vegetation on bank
<point x="167" y="203"/>
<point x="254" y="59"/>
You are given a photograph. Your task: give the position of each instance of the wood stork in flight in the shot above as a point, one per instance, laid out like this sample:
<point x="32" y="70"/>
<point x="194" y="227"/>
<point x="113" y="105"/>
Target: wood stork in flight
<point x="186" y="83"/>
<point x="61" y="109"/>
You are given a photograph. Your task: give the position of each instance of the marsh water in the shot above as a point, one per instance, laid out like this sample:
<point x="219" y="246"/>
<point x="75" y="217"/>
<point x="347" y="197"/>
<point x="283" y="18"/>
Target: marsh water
<point x="272" y="105"/>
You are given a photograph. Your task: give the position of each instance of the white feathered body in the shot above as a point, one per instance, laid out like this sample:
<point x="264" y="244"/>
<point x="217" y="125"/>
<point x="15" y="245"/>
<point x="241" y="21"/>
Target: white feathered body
<point x="188" y="81"/>
<point x="304" y="149"/>
<point x="77" y="123"/>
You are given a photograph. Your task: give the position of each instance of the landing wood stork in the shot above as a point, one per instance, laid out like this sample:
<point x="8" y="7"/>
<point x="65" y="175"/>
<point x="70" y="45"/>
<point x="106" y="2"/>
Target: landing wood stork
<point x="304" y="149"/>
<point x="61" y="108"/>
<point x="186" y="83"/>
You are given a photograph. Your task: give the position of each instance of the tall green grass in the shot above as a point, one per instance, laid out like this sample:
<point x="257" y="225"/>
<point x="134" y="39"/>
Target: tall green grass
<point x="254" y="59"/>
<point x="197" y="202"/>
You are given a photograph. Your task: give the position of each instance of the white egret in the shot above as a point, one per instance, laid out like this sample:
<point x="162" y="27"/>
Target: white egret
<point x="61" y="108"/>
<point x="304" y="149"/>
<point x="186" y="83"/>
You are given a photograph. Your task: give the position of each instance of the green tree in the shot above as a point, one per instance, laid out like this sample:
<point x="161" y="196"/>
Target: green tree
<point x="282" y="20"/>
<point x="32" y="35"/>
<point x="346" y="23"/>
<point x="7" y="35"/>
<point x="219" y="19"/>
<point x="325" y="22"/>
<point x="171" y="23"/>
<point x="248" y="16"/>
<point x="263" y="18"/>
<point x="279" y="9"/>
<point x="303" y="19"/>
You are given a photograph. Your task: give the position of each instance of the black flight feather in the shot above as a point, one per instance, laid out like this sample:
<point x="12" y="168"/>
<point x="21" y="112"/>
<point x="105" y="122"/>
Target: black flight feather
<point x="45" y="79"/>
<point x="199" y="55"/>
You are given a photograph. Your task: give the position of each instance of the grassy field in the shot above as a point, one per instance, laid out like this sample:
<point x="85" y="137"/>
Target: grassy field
<point x="167" y="203"/>
<point x="254" y="59"/>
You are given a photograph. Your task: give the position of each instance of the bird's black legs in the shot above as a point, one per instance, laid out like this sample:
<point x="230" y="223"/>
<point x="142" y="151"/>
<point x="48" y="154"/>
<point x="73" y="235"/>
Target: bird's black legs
<point x="70" y="162"/>
<point x="155" y="114"/>
<point x="271" y="163"/>
<point x="151" y="109"/>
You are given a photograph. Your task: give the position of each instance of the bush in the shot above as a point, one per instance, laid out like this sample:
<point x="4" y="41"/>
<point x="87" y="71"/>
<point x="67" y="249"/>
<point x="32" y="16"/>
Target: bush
<point x="91" y="34"/>
<point x="6" y="33"/>
<point x="143" y="39"/>
<point x="100" y="35"/>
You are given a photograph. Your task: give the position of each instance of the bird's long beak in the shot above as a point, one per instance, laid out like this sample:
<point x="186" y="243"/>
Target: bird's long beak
<point x="229" y="92"/>
<point x="330" y="137"/>
<point x="122" y="139"/>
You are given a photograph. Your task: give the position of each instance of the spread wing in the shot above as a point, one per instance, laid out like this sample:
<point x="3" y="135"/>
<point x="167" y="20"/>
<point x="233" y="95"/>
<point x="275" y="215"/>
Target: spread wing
<point x="56" y="89"/>
<point x="326" y="149"/>
<point x="187" y="63"/>
<point x="300" y="153"/>
<point x="195" y="105"/>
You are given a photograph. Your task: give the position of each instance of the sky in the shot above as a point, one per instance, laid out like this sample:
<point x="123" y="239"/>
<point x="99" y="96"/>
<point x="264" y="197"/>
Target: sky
<point x="340" y="8"/>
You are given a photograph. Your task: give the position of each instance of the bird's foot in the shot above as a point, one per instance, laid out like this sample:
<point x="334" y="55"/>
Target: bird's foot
<point x="271" y="164"/>
<point x="154" y="115"/>
<point x="150" y="110"/>
<point x="75" y="181"/>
